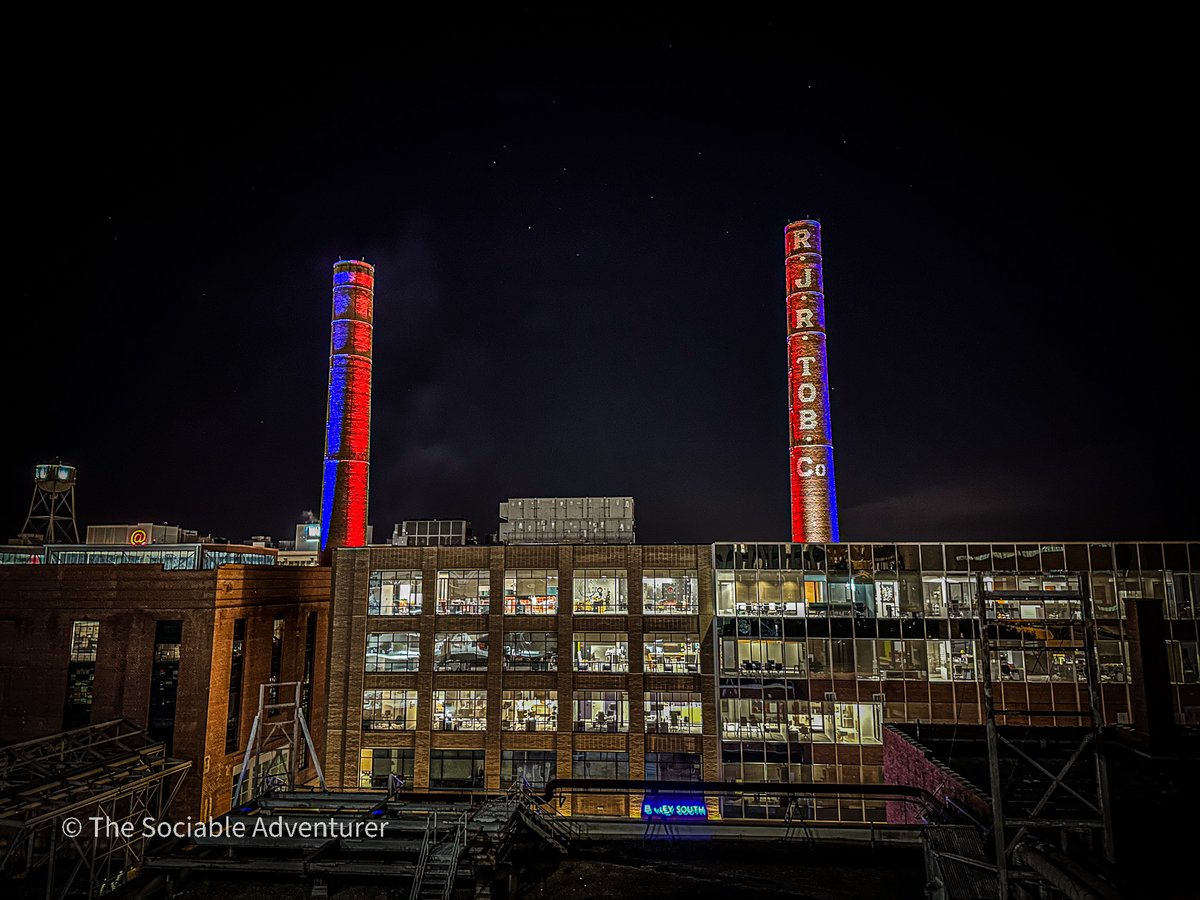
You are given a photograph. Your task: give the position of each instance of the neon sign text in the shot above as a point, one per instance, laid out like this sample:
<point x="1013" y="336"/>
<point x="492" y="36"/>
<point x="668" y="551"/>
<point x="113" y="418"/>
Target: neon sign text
<point x="674" y="808"/>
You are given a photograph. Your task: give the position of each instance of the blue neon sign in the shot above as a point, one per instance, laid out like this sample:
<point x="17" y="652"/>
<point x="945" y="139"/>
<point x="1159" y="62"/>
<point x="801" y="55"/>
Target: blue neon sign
<point x="681" y="807"/>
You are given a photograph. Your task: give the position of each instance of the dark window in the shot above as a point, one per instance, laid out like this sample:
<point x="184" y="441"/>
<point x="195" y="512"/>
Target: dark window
<point x="276" y="661"/>
<point x="600" y="765"/>
<point x="1077" y="557"/>
<point x="1127" y="557"/>
<point x="456" y="768"/>
<point x="931" y="558"/>
<point x="310" y="652"/>
<point x="164" y="681"/>
<point x="1101" y="557"/>
<point x="723" y="556"/>
<point x="376" y="764"/>
<point x="1175" y="556"/>
<point x="81" y="673"/>
<point x="979" y="557"/>
<point x="956" y="557"/>
<point x="534" y="651"/>
<point x="672" y="767"/>
<point x="1152" y="556"/>
<point x="237" y="664"/>
<point x="910" y="557"/>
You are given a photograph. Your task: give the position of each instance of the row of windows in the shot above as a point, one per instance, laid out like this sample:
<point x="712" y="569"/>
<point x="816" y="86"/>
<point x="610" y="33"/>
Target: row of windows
<point x="533" y="592"/>
<point x="1021" y="654"/>
<point x="534" y="651"/>
<point x="669" y="712"/>
<point x="531" y="768"/>
<point x="801" y="721"/>
<point x="988" y="557"/>
<point x="905" y="595"/>
<point x="924" y="660"/>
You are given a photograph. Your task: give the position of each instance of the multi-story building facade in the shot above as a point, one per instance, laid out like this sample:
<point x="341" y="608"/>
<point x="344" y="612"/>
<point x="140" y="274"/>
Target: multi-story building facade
<point x="477" y="667"/>
<point x="180" y="648"/>
<point x="818" y="645"/>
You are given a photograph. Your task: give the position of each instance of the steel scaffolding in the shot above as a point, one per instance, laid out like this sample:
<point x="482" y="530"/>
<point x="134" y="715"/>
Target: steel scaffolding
<point x="73" y="806"/>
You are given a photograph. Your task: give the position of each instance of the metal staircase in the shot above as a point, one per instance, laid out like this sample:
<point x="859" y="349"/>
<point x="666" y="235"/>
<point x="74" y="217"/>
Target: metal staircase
<point x="557" y="831"/>
<point x="437" y="866"/>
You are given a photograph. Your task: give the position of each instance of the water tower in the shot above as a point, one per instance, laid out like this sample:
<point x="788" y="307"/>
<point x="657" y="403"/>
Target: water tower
<point x="51" y="517"/>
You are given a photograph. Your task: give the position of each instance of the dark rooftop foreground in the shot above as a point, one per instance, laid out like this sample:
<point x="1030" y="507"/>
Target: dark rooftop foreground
<point x="684" y="870"/>
<point x="732" y="871"/>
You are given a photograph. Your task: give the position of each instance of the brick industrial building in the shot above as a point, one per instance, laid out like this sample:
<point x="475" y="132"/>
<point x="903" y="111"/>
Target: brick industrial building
<point x="472" y="666"/>
<point x="179" y="653"/>
<point x="479" y="666"/>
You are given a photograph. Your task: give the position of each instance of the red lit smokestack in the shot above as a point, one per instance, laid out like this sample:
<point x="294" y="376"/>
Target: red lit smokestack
<point x="348" y="415"/>
<point x="814" y="498"/>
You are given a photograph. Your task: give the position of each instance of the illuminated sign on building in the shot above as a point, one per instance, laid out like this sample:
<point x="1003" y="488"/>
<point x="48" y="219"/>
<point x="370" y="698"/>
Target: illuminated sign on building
<point x="810" y="437"/>
<point x="348" y="415"/>
<point x="138" y="537"/>
<point x="675" y="808"/>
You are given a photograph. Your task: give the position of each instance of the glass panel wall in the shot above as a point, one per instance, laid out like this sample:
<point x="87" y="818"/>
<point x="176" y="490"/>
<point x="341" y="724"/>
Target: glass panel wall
<point x="394" y="593"/>
<point x="753" y="655"/>
<point x="801" y="720"/>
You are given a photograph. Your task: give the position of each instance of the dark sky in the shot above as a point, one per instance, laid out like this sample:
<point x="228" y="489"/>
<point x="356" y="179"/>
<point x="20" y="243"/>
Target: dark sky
<point x="580" y="285"/>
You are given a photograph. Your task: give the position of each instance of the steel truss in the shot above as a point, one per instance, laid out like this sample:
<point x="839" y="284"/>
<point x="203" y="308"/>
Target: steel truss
<point x="73" y="806"/>
<point x="1008" y="831"/>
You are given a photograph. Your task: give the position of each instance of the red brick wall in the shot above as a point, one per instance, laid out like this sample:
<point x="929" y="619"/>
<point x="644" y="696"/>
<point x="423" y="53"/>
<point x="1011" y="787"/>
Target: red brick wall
<point x="907" y="762"/>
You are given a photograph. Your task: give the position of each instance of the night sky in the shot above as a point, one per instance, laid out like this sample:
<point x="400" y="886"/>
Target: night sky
<point x="580" y="287"/>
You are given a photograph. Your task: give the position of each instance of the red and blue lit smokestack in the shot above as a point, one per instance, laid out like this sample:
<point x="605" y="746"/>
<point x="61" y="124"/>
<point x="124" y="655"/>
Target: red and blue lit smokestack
<point x="814" y="497"/>
<point x="348" y="415"/>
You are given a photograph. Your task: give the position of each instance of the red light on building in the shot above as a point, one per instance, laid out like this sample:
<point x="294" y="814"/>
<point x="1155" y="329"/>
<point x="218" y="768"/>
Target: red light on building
<point x="348" y="416"/>
<point x="810" y="437"/>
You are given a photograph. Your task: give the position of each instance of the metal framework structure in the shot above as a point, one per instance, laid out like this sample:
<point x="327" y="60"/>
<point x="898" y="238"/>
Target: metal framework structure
<point x="51" y="518"/>
<point x="277" y="725"/>
<point x="72" y="806"/>
<point x="1008" y="831"/>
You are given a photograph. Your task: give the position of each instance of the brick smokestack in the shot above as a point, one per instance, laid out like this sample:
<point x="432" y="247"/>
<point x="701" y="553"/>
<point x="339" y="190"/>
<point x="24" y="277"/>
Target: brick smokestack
<point x="810" y="437"/>
<point x="348" y="414"/>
